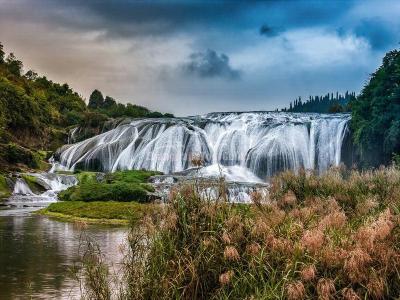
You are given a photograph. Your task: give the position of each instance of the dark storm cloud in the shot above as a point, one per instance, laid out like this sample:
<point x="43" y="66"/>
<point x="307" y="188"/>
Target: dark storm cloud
<point x="210" y="64"/>
<point x="379" y="34"/>
<point x="122" y="18"/>
<point x="269" y="31"/>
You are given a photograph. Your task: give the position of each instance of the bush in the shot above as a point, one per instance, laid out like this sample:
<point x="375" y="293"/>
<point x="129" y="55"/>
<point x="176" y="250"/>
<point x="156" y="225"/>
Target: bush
<point x="120" y="186"/>
<point x="132" y="176"/>
<point x="15" y="154"/>
<point x="105" y="192"/>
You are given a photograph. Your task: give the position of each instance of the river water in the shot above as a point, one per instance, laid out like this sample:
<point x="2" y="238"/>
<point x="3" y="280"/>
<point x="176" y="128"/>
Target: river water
<point x="37" y="254"/>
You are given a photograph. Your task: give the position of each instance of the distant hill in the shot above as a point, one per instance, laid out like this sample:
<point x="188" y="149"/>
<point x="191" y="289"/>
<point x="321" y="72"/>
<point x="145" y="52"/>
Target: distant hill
<point x="329" y="103"/>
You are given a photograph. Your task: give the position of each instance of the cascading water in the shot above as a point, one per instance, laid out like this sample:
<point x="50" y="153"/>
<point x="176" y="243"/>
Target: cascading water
<point x="258" y="144"/>
<point x="51" y="184"/>
<point x="22" y="188"/>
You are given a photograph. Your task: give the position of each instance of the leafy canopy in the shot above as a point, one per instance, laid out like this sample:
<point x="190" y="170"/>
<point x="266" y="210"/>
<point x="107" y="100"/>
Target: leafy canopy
<point x="376" y="114"/>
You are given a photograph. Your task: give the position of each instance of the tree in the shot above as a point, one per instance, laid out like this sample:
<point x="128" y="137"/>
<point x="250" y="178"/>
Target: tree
<point x="96" y="100"/>
<point x="335" y="108"/>
<point x="14" y="65"/>
<point x="31" y="75"/>
<point x="109" y="102"/>
<point x="2" y="53"/>
<point x="376" y="114"/>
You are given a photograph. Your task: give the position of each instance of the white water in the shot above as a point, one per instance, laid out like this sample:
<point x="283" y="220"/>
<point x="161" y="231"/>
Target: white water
<point x="23" y="196"/>
<point x="249" y="146"/>
<point x="21" y="188"/>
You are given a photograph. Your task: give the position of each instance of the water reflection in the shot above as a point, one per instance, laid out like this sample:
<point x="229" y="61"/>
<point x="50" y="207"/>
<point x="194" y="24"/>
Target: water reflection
<point x="36" y="254"/>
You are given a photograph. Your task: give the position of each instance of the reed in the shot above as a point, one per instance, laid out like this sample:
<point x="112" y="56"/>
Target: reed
<point x="314" y="237"/>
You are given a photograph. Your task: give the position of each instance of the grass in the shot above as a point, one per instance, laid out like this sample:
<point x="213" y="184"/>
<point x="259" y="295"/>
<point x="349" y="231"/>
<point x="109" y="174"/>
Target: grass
<point x="86" y="177"/>
<point x="116" y="213"/>
<point x="336" y="236"/>
<point x="119" y="186"/>
<point x="133" y="176"/>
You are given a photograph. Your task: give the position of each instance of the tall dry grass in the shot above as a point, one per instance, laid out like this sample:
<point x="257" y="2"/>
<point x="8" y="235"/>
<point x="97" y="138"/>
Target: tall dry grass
<point x="335" y="236"/>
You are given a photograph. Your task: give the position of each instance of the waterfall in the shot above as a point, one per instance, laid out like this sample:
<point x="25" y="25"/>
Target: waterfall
<point x="262" y="143"/>
<point x="52" y="184"/>
<point x="22" y="188"/>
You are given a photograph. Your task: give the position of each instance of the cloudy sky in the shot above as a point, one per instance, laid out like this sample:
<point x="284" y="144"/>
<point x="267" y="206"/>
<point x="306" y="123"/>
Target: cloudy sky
<point x="192" y="57"/>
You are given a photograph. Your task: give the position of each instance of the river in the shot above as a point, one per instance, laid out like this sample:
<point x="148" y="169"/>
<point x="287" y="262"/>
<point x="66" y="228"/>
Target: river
<point x="37" y="254"/>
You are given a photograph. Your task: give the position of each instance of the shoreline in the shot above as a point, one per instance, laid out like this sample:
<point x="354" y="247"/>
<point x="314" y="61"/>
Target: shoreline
<point x="74" y="219"/>
<point x="99" y="212"/>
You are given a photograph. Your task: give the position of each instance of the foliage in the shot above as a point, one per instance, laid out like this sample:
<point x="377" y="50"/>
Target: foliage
<point x="14" y="154"/>
<point x="335" y="236"/>
<point x="322" y="104"/>
<point x="132" y="176"/>
<point x="108" y="106"/>
<point x="32" y="107"/>
<point x="106" y="192"/>
<point x="37" y="113"/>
<point x="96" y="99"/>
<point x="87" y="177"/>
<point x="2" y="53"/>
<point x="120" y="186"/>
<point x="376" y="114"/>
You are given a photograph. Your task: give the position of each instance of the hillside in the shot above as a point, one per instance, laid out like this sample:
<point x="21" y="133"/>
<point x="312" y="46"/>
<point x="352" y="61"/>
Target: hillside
<point x="37" y="113"/>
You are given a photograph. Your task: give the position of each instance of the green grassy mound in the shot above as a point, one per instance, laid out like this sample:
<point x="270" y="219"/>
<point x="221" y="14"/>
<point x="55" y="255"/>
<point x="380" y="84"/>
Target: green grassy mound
<point x="120" y="186"/>
<point x="99" y="212"/>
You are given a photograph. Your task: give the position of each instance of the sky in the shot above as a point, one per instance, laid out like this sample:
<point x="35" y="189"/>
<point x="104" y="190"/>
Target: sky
<point x="194" y="57"/>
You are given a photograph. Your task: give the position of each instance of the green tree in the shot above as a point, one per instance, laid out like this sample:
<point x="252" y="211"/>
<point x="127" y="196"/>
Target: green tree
<point x="109" y="102"/>
<point x="14" y="65"/>
<point x="376" y="114"/>
<point x="31" y="75"/>
<point x="96" y="100"/>
<point x="2" y="53"/>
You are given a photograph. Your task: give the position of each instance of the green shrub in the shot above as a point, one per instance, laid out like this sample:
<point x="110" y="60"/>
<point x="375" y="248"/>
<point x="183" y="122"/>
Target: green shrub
<point x="132" y="176"/>
<point x="119" y="186"/>
<point x="105" y="192"/>
<point x="15" y="154"/>
<point x="86" y="177"/>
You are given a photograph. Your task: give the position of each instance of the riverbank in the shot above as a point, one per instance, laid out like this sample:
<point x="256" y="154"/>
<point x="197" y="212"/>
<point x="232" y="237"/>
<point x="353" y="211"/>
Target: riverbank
<point x="99" y="212"/>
